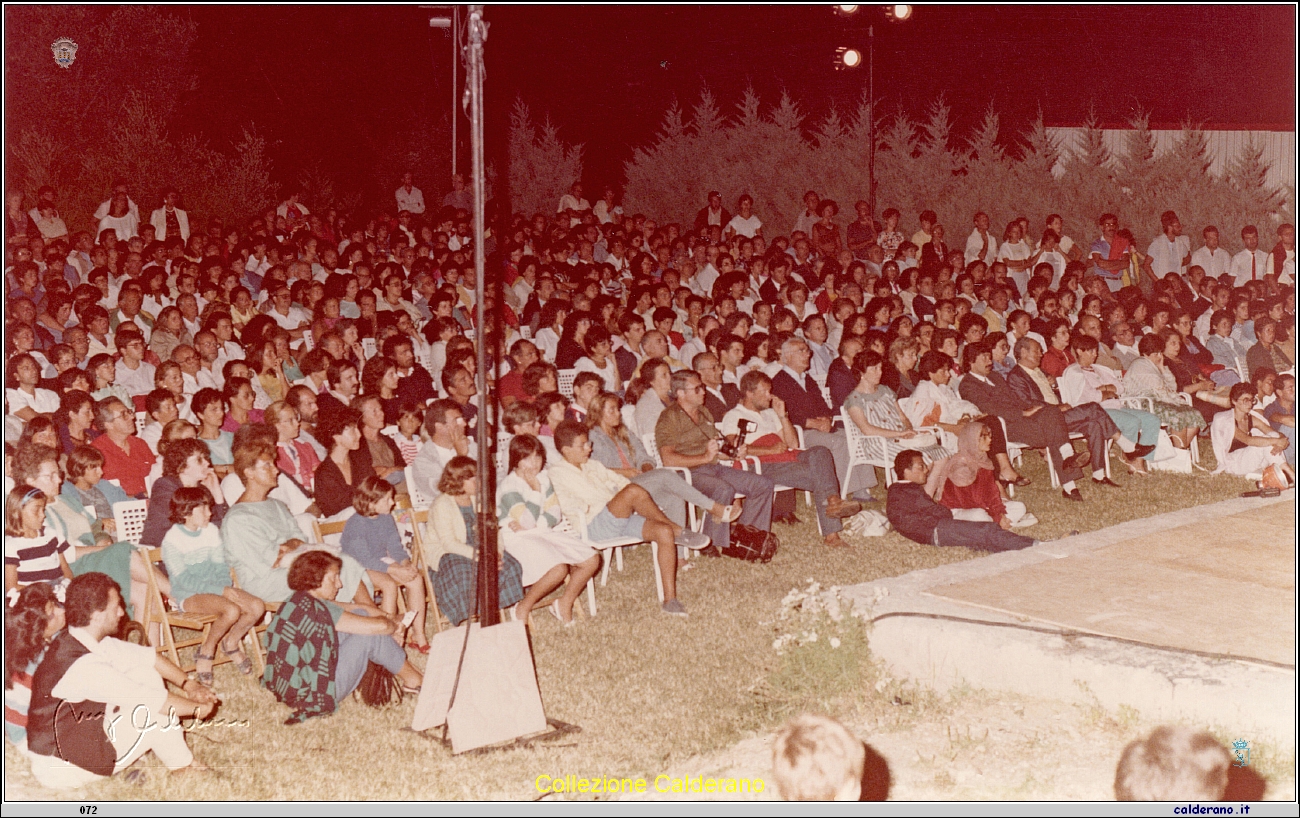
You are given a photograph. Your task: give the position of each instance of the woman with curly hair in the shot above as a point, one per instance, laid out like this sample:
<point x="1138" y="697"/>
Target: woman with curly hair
<point x="32" y="619"/>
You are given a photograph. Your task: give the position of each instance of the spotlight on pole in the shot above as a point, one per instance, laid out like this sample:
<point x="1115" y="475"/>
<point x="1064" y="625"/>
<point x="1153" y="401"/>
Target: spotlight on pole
<point x="848" y="58"/>
<point x="845" y="11"/>
<point x="898" y="14"/>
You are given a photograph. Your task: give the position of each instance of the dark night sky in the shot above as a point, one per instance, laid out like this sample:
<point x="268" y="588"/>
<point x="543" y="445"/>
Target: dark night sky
<point x="318" y="79"/>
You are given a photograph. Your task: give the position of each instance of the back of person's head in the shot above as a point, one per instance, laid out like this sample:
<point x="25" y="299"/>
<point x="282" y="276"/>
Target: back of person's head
<point x="1173" y="764"/>
<point x="518" y="414"/>
<point x="816" y="759"/>
<point x="308" y="571"/>
<point x="87" y="595"/>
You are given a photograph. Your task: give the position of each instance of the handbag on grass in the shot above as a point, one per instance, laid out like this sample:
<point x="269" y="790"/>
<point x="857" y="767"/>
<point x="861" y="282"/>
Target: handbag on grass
<point x="751" y="544"/>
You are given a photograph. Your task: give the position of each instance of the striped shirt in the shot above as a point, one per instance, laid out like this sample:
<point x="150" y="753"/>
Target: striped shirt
<point x="36" y="558"/>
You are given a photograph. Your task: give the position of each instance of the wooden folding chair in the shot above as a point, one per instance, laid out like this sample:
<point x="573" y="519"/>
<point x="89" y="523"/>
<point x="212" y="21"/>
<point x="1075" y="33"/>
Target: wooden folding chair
<point x="154" y="611"/>
<point x="419" y="519"/>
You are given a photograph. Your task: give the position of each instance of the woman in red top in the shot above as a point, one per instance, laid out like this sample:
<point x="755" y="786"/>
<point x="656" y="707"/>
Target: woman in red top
<point x="967" y="483"/>
<point x="1057" y="356"/>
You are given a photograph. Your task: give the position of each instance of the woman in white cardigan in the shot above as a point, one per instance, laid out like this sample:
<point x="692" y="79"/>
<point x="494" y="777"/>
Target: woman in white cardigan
<point x="451" y="550"/>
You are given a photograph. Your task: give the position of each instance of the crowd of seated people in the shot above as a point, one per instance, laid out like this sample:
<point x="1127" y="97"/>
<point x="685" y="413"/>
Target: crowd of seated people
<point x="251" y="380"/>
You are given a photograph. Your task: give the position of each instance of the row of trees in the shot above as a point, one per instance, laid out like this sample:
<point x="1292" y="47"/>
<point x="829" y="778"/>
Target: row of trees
<point x="775" y="156"/>
<point x="108" y="115"/>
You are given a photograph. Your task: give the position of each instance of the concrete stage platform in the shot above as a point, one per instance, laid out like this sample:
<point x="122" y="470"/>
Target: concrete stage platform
<point x="1188" y="616"/>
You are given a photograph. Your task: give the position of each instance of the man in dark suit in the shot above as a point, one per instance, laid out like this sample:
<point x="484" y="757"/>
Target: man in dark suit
<point x="1034" y="387"/>
<point x="1028" y="424"/>
<point x="809" y="410"/>
<point x="713" y="213"/>
<point x="715" y="391"/>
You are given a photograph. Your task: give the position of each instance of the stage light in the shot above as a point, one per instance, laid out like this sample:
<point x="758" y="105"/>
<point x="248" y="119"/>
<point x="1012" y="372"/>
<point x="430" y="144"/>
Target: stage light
<point x="850" y="57"/>
<point x="898" y="13"/>
<point x="845" y="11"/>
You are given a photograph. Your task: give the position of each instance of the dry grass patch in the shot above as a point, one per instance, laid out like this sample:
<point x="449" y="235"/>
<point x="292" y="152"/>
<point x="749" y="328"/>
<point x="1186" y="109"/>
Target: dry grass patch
<point x="648" y="690"/>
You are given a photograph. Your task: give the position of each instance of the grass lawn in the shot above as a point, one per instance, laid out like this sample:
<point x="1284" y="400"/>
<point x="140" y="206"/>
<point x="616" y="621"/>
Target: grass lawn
<point x="648" y="690"/>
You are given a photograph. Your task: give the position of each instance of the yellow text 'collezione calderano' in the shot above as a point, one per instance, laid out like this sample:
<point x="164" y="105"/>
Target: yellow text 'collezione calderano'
<point x="662" y="783"/>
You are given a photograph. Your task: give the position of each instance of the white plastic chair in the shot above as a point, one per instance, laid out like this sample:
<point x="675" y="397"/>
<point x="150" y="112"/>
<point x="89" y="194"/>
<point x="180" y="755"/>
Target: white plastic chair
<point x="566" y="527"/>
<point x="865" y="450"/>
<point x="130" y="516"/>
<point x="693" y="519"/>
<point x="616" y="545"/>
<point x="369" y="348"/>
<point x="418" y="498"/>
<point x="307" y="340"/>
<point x="565" y="381"/>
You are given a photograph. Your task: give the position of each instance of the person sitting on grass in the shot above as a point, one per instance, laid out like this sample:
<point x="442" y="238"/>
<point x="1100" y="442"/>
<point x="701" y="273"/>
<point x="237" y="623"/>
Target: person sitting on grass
<point x="612" y="506"/>
<point x="318" y="650"/>
<point x="966" y="483"/>
<point x="451" y="551"/>
<point x="919" y="518"/>
<point x="200" y="579"/>
<point x="371" y="538"/>
<point x="88" y="679"/>
<point x="32" y="620"/>
<point x="816" y="759"/>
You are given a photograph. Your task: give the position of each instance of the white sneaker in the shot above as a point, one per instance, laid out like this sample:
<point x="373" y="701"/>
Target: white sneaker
<point x="1025" y="521"/>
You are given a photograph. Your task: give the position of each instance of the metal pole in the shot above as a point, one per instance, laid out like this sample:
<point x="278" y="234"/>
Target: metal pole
<point x="489" y="599"/>
<point x="871" y="129"/>
<point x="455" y="58"/>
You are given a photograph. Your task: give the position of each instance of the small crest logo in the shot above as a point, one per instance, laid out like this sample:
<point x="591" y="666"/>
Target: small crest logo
<point x="1241" y="749"/>
<point x="65" y="52"/>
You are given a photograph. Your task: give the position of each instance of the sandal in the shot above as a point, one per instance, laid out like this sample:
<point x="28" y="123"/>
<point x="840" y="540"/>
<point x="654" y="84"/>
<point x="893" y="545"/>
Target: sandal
<point x="205" y="677"/>
<point x="245" y="665"/>
<point x="554" y="608"/>
<point x="423" y="650"/>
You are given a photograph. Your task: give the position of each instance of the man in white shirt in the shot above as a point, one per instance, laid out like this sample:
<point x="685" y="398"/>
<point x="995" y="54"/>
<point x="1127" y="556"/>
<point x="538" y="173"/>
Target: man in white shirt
<point x="1212" y="258"/>
<point x="771" y="434"/>
<point x="809" y="216"/>
<point x="290" y="318"/>
<point x="445" y="424"/>
<point x="393" y="300"/>
<point x="99" y="703"/>
<point x="745" y="223"/>
<point x="981" y="244"/>
<point x="409" y="197"/>
<point x="1250" y="263"/>
<point x="1169" y="252"/>
<point x="133" y="372"/>
<point x="573" y="205"/>
<point x="119" y="186"/>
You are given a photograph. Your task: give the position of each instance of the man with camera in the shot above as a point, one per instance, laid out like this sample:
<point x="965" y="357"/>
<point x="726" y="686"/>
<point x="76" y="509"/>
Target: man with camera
<point x="687" y="439"/>
<point x="761" y="424"/>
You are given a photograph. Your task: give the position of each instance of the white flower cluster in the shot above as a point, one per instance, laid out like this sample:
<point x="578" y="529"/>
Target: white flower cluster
<point x="803" y="611"/>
